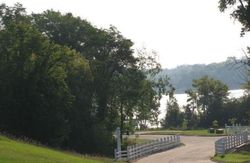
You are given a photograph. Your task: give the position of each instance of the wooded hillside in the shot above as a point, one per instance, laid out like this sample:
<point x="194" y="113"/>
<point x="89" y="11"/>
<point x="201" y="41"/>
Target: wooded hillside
<point x="230" y="72"/>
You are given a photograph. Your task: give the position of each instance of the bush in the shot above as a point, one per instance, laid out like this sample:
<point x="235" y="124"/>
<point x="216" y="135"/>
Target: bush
<point x="211" y="130"/>
<point x="215" y="124"/>
<point x="219" y="131"/>
<point x="127" y="142"/>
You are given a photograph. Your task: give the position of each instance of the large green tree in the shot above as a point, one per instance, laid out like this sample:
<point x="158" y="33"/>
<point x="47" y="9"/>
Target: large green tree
<point x="174" y="117"/>
<point x="207" y="97"/>
<point x="34" y="80"/>
<point x="67" y="83"/>
<point x="108" y="52"/>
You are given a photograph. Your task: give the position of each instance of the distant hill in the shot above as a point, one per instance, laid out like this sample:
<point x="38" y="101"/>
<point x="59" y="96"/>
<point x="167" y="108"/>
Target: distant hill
<point x="231" y="73"/>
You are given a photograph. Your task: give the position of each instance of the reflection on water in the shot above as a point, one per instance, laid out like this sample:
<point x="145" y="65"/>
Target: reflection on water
<point x="182" y="100"/>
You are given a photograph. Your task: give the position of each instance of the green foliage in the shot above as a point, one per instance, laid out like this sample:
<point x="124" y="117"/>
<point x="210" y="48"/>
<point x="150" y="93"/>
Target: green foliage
<point x="207" y="99"/>
<point x="211" y="130"/>
<point x="133" y="141"/>
<point x="241" y="12"/>
<point x="208" y="102"/>
<point x="219" y="131"/>
<point x="33" y="78"/>
<point x="174" y="117"/>
<point x="68" y="84"/>
<point x="232" y="121"/>
<point x="238" y="110"/>
<point x="191" y="118"/>
<point x="215" y="124"/>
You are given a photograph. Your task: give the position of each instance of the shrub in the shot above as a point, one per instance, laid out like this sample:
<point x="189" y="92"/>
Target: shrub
<point x="211" y="130"/>
<point x="219" y="131"/>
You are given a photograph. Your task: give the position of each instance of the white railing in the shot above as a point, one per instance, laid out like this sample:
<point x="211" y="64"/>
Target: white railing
<point x="145" y="149"/>
<point x="230" y="142"/>
<point x="120" y="155"/>
<point x="236" y="129"/>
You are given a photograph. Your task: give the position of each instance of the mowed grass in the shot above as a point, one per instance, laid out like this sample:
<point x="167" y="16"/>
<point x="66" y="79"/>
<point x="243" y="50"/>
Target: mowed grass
<point x="133" y="141"/>
<point x="142" y="141"/>
<point x="241" y="157"/>
<point x="202" y="132"/>
<point x="12" y="151"/>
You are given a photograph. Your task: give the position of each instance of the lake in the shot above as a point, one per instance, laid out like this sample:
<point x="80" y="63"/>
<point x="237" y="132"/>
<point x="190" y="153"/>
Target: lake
<point x="182" y="98"/>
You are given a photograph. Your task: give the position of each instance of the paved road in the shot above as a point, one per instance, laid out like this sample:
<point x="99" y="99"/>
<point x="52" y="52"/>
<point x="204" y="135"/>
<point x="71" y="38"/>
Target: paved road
<point x="196" y="150"/>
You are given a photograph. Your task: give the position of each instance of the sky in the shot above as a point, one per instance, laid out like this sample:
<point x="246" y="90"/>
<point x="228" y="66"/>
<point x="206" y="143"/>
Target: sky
<point x="181" y="31"/>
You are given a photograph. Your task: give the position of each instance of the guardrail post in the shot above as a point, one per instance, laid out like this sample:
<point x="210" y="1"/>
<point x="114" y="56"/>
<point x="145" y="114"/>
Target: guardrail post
<point x="128" y="153"/>
<point x="226" y="129"/>
<point x="118" y="138"/>
<point x="222" y="146"/>
<point x="115" y="154"/>
<point x="132" y="152"/>
<point x="178" y="138"/>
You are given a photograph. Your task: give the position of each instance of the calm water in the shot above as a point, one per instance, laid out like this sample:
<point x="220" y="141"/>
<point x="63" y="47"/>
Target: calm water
<point x="182" y="98"/>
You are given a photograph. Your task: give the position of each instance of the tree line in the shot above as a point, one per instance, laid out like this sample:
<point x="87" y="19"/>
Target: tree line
<point x="208" y="102"/>
<point x="232" y="72"/>
<point x="68" y="84"/>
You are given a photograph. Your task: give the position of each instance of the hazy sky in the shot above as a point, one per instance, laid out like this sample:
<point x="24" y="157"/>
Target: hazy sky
<point x="180" y="31"/>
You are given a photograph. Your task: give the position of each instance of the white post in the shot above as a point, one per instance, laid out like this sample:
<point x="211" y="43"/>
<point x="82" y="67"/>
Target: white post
<point x="223" y="146"/>
<point x="115" y="155"/>
<point x="128" y="153"/>
<point x="118" y="139"/>
<point x="226" y="130"/>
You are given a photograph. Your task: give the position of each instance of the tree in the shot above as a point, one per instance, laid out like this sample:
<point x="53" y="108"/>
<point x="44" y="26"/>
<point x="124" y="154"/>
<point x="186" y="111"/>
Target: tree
<point x="174" y="117"/>
<point x="42" y="83"/>
<point x="66" y="83"/>
<point x="147" y="109"/>
<point x="108" y="52"/>
<point x="125" y="97"/>
<point x="109" y="55"/>
<point x="191" y="111"/>
<point x="34" y="74"/>
<point x="241" y="12"/>
<point x="208" y="97"/>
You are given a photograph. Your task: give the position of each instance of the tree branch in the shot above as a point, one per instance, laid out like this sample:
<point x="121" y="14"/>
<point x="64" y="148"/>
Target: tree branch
<point x="242" y="5"/>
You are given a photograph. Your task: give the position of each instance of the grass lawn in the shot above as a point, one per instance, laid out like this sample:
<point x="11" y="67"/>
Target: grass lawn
<point x="243" y="157"/>
<point x="133" y="141"/>
<point x="12" y="151"/>
<point x="141" y="141"/>
<point x="203" y="132"/>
